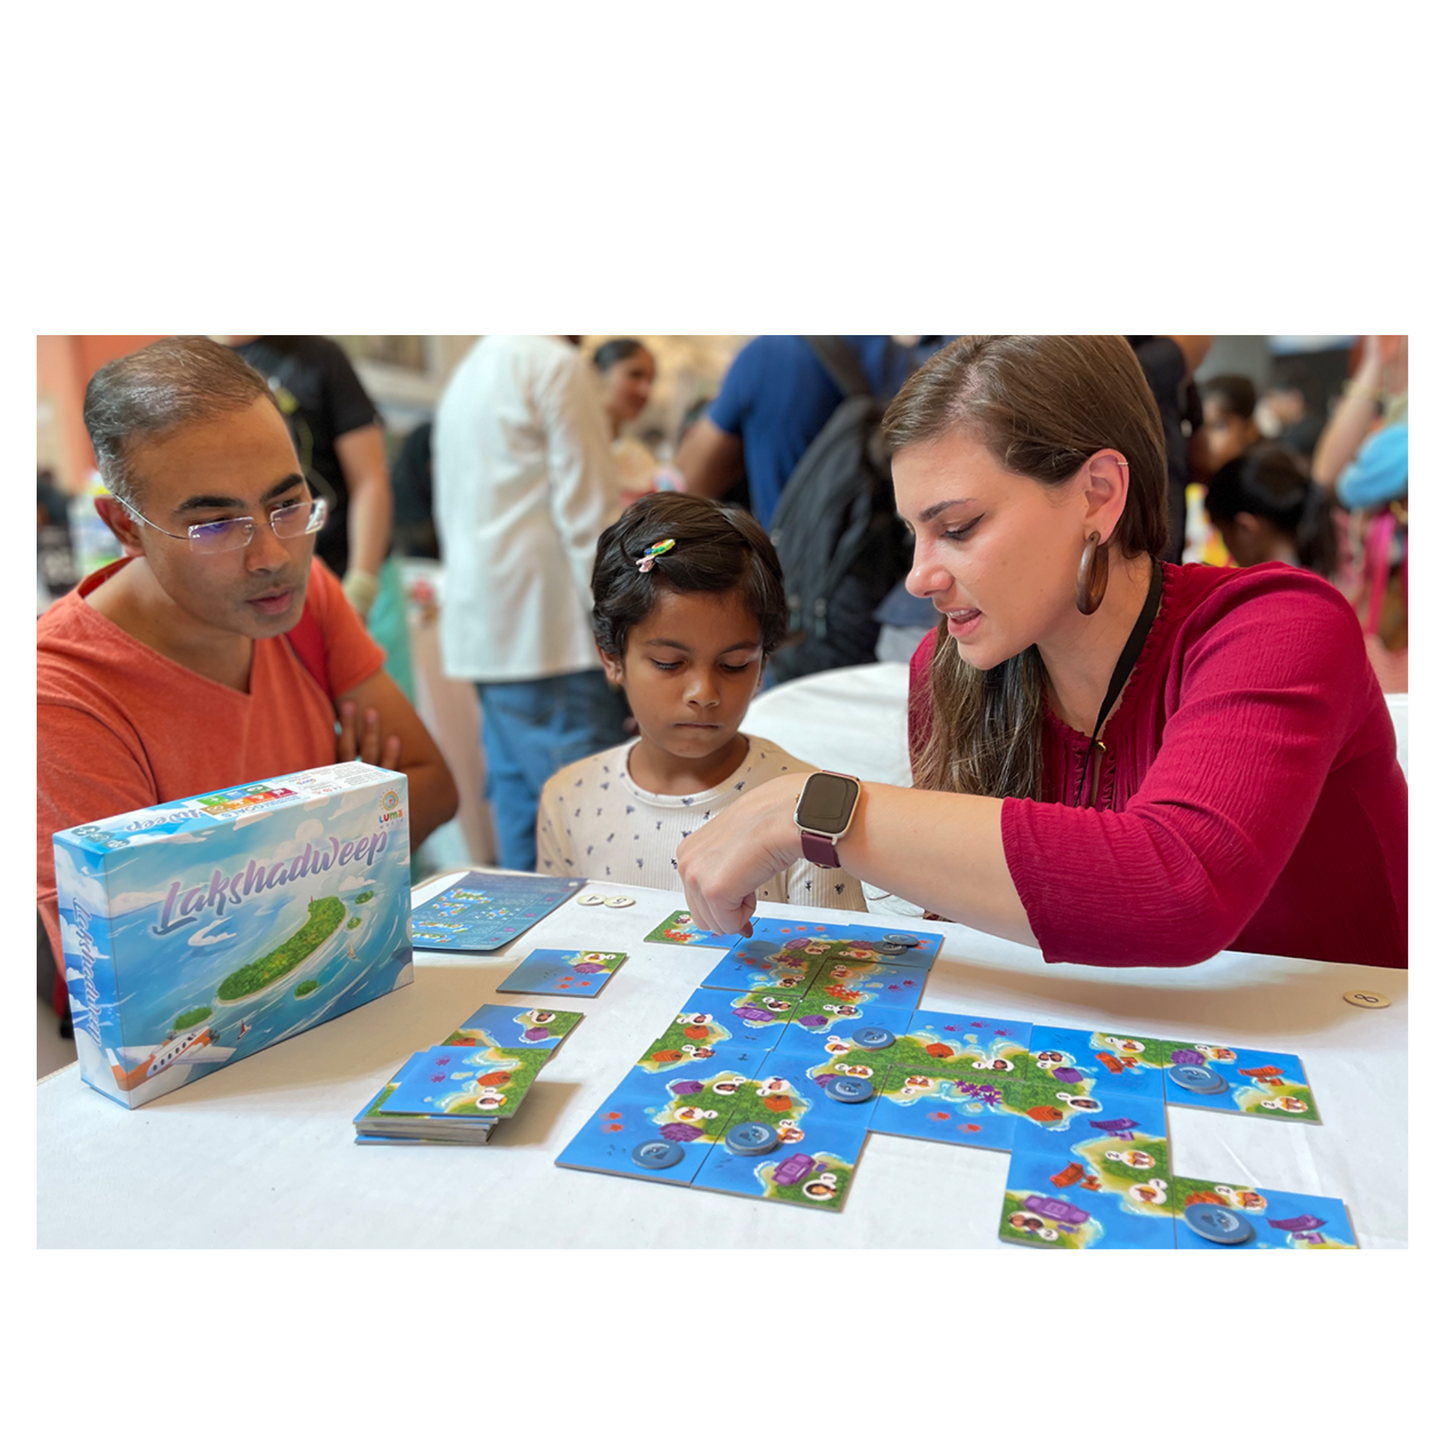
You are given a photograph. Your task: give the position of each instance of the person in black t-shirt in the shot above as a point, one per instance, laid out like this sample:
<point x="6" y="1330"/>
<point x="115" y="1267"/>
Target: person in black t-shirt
<point x="338" y="437"/>
<point x="1169" y="364"/>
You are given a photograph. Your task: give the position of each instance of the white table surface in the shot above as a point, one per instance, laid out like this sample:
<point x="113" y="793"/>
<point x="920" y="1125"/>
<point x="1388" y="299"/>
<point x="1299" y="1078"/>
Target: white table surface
<point x="261" y="1153"/>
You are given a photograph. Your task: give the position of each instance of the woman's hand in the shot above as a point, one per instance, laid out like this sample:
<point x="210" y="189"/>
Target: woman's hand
<point x="722" y="864"/>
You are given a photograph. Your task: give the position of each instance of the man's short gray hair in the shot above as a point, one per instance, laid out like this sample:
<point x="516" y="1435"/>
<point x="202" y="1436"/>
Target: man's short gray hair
<point x="162" y="386"/>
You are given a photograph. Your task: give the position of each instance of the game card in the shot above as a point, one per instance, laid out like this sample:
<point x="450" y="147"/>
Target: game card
<point x="483" y="912"/>
<point x="711" y="1018"/>
<point x="562" y="971"/>
<point x="1261" y="1218"/>
<point x="876" y="985"/>
<point x="815" y="1173"/>
<point x="1106" y="1058"/>
<point x="1243" y="1081"/>
<point x="679" y="928"/>
<point x="509" y="1026"/>
<point x="460" y="1082"/>
<point x="945" y="1110"/>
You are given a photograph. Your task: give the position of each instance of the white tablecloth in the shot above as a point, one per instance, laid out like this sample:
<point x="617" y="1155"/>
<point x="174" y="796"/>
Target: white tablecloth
<point x="261" y="1153"/>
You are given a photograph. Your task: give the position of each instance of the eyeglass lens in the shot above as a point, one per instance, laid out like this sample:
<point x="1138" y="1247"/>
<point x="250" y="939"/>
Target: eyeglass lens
<point x="293" y="521"/>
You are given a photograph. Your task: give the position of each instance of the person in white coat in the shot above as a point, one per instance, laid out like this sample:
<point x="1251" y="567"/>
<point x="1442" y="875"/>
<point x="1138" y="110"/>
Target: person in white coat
<point x="524" y="487"/>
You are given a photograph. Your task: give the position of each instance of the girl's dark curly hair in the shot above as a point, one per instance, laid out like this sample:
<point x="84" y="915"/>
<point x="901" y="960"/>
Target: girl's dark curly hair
<point x="718" y="549"/>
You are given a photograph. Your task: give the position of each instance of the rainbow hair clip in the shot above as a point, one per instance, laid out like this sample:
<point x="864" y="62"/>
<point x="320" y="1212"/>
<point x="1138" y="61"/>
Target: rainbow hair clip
<point x="649" y="557"/>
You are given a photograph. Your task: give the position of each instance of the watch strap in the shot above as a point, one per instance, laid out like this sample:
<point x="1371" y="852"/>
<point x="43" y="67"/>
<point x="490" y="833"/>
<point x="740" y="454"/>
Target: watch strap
<point x="820" y="849"/>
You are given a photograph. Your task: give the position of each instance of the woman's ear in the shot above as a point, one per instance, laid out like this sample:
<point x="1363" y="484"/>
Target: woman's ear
<point x="1105" y="490"/>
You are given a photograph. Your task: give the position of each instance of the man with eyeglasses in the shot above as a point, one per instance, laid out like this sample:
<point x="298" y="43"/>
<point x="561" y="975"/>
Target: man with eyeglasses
<point x="195" y="663"/>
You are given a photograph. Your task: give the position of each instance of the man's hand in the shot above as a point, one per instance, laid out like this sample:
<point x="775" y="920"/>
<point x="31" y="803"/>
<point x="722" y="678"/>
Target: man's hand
<point x="370" y="748"/>
<point x="393" y="736"/>
<point x="723" y="863"/>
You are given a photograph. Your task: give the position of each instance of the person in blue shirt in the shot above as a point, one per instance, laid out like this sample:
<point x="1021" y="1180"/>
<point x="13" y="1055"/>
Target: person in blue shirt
<point x="775" y="398"/>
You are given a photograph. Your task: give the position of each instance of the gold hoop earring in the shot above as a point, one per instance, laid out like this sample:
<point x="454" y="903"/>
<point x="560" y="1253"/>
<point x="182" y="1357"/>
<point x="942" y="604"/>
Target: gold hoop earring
<point x="1093" y="579"/>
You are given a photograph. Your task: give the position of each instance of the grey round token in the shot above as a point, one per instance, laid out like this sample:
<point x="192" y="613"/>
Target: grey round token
<point x="657" y="1154"/>
<point x="1365" y="998"/>
<point x="1217" y="1224"/>
<point x="1198" y="1080"/>
<point x="591" y="900"/>
<point x="750" y="1138"/>
<point x="848" y="1090"/>
<point x="869" y="1037"/>
<point x="890" y="950"/>
<point x="620" y="901"/>
<point x="906" y="939"/>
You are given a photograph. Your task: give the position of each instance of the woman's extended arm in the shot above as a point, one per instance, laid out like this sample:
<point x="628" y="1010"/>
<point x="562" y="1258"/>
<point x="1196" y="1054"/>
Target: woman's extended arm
<point x="943" y="851"/>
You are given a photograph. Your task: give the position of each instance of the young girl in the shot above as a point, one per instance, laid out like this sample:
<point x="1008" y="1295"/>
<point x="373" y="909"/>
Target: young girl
<point x="687" y="605"/>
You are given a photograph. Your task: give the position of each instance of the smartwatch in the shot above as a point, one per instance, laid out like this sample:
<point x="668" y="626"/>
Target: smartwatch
<point x="825" y="810"/>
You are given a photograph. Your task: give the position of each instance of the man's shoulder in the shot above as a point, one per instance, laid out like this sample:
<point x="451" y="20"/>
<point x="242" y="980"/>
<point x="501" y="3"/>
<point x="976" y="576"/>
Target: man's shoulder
<point x="71" y="634"/>
<point x="766" y="356"/>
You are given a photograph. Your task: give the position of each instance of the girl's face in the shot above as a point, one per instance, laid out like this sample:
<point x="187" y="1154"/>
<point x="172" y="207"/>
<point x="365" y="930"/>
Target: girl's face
<point x="690" y="671"/>
<point x="626" y="385"/>
<point x="996" y="552"/>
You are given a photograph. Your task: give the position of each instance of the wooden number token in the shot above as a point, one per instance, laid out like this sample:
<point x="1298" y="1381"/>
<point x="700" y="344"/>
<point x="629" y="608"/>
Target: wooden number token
<point x="1362" y="998"/>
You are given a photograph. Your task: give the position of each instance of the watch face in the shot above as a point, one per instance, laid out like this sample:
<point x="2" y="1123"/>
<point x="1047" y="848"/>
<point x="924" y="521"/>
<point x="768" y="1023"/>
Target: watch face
<point x="827" y="803"/>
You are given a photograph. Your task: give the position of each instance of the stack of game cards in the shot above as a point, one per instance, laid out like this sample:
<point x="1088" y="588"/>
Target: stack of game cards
<point x="459" y="1091"/>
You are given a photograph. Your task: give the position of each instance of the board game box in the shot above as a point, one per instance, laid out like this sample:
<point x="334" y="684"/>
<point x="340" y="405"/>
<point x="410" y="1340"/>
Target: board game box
<point x="198" y="932"/>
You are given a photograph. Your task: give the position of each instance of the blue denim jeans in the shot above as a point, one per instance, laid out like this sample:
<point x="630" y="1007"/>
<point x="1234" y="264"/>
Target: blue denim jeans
<point x="529" y="730"/>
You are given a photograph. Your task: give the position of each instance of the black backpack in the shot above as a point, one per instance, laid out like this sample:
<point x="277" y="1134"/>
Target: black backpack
<point x="838" y="537"/>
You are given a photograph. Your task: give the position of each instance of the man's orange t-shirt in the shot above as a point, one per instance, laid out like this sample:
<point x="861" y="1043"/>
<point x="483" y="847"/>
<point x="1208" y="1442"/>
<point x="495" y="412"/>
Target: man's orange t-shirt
<point x="120" y="727"/>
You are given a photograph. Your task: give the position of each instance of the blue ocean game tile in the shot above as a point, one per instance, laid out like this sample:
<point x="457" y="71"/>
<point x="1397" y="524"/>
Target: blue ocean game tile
<point x="1266" y="1085"/>
<point x="1052" y="1200"/>
<point x="1275" y="1218"/>
<point x="624" y="1123"/>
<point x="1112" y="1058"/>
<point x="679" y="928"/>
<point x="670" y="1053"/>
<point x="562" y="971"/>
<point x="511" y="1026"/>
<point x="862" y="939"/>
<point x="1084" y="1113"/>
<point x="710" y="1084"/>
<point x="878" y="985"/>
<point x="944" y="1110"/>
<point x="710" y="1017"/>
<point x="966" y="1045"/>
<point x="459" y="1081"/>
<point x="759" y="966"/>
<point x="818" y="1032"/>
<point x="814" y="1172"/>
<point x="1109" y="1148"/>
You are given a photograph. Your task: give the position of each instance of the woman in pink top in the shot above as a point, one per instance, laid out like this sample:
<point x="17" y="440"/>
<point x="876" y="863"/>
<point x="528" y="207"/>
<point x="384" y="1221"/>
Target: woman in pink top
<point x="1118" y="761"/>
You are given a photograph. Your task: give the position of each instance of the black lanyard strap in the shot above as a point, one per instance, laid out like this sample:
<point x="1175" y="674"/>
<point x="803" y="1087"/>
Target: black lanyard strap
<point x="1130" y="655"/>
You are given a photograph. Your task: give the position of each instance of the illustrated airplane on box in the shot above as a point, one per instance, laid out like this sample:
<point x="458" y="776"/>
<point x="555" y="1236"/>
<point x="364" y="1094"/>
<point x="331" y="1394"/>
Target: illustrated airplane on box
<point x="195" y="1046"/>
